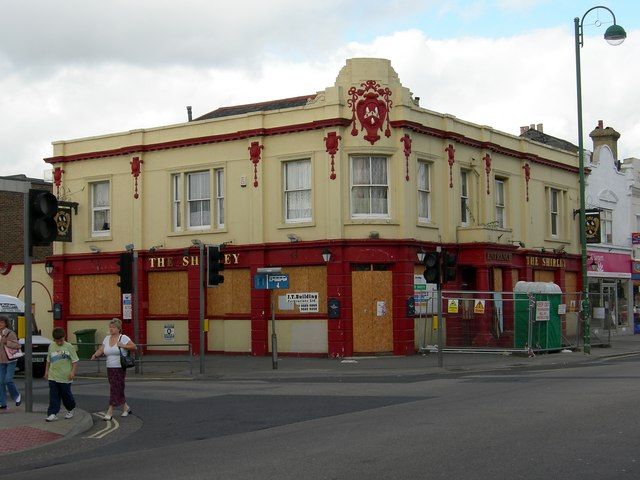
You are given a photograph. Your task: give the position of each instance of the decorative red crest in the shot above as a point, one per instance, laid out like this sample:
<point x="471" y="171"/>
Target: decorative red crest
<point x="332" y="142"/>
<point x="451" y="160"/>
<point x="372" y="109"/>
<point x="57" y="179"/>
<point x="527" y="176"/>
<point x="254" y="155"/>
<point x="406" y="141"/>
<point x="135" y="171"/>
<point x="487" y="168"/>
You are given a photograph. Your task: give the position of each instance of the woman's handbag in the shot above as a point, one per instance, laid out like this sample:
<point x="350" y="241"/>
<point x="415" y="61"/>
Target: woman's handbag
<point x="126" y="361"/>
<point x="13" y="353"/>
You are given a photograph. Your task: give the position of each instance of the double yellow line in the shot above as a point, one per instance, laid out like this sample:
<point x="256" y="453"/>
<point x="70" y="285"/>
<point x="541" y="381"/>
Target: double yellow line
<point x="112" y="426"/>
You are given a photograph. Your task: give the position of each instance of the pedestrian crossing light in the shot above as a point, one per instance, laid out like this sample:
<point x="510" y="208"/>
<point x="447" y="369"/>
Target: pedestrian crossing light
<point x="449" y="268"/>
<point x="215" y="265"/>
<point x="432" y="268"/>
<point x="43" y="229"/>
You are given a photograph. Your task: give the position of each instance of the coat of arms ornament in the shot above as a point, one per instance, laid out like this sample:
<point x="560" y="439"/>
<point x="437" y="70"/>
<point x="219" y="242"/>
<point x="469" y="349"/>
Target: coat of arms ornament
<point x="371" y="104"/>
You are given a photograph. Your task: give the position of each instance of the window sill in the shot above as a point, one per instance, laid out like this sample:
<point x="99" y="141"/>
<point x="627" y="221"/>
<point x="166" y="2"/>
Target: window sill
<point x="100" y="238"/>
<point x="285" y="226"/>
<point x="185" y="233"/>
<point x="371" y="221"/>
<point x="427" y="225"/>
<point x="564" y="241"/>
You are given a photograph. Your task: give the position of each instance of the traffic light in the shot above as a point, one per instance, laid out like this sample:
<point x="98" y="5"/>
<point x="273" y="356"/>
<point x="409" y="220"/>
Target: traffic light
<point x="43" y="207"/>
<point x="125" y="273"/>
<point x="449" y="261"/>
<point x="432" y="267"/>
<point x="215" y="265"/>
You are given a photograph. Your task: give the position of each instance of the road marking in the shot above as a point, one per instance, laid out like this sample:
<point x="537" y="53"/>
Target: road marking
<point x="615" y="357"/>
<point x="112" y="426"/>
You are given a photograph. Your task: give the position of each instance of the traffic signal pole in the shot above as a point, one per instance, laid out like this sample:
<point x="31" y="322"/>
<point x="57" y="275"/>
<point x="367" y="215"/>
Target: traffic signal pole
<point x="202" y="292"/>
<point x="440" y="322"/>
<point x="28" y="339"/>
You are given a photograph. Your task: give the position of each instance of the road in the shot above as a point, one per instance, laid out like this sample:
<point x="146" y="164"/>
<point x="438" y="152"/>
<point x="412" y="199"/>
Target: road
<point x="579" y="422"/>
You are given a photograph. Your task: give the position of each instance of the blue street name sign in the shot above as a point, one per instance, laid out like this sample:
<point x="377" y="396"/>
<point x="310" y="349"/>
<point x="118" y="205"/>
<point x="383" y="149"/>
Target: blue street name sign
<point x="265" y="281"/>
<point x="279" y="281"/>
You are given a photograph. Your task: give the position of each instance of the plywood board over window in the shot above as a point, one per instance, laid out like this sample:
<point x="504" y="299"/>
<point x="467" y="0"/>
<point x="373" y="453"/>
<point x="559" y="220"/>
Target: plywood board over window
<point x="305" y="280"/>
<point x="168" y="293"/>
<point x="232" y="296"/>
<point x="94" y="295"/>
<point x="543" y="276"/>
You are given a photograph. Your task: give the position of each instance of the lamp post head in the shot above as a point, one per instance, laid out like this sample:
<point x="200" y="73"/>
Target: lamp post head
<point x="615" y="35"/>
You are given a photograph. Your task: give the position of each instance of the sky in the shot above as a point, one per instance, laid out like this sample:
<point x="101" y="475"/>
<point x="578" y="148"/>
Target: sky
<point x="77" y="68"/>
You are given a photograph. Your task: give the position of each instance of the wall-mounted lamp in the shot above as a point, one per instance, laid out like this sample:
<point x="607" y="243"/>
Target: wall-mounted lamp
<point x="129" y="247"/>
<point x="196" y="242"/>
<point x="155" y="247"/>
<point x="421" y="254"/>
<point x="593" y="265"/>
<point x="48" y="267"/>
<point x="519" y="243"/>
<point x="559" y="251"/>
<point x="326" y="255"/>
<point x="94" y="249"/>
<point x="374" y="234"/>
<point x="293" y="237"/>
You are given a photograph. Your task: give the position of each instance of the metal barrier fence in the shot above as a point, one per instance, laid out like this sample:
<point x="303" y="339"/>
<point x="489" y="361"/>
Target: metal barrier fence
<point x="505" y="321"/>
<point x="142" y="357"/>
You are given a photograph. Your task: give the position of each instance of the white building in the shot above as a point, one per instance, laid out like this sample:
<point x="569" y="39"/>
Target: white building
<point x="609" y="191"/>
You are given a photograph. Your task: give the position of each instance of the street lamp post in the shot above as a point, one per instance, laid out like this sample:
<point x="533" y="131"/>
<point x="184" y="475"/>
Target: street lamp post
<point x="614" y="35"/>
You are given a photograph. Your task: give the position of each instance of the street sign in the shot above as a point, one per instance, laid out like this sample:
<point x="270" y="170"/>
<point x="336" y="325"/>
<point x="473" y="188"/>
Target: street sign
<point x="276" y="282"/>
<point x="260" y="281"/>
<point x="265" y="281"/>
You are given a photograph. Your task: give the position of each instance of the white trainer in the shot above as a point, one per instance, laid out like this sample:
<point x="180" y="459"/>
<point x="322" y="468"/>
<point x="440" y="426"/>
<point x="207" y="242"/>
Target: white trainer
<point x="68" y="415"/>
<point x="51" y="418"/>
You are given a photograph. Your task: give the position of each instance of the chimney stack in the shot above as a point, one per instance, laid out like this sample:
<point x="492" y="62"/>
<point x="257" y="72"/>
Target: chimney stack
<point x="189" y="117"/>
<point x="605" y="136"/>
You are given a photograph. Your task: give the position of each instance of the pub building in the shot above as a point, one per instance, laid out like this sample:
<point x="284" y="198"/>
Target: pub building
<point x="340" y="189"/>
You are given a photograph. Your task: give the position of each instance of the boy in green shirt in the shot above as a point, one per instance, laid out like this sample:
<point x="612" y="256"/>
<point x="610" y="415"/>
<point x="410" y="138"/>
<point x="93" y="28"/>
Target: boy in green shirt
<point x="62" y="363"/>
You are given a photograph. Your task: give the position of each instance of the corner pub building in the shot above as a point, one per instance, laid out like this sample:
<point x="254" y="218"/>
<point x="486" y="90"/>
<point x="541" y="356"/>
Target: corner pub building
<point x="359" y="170"/>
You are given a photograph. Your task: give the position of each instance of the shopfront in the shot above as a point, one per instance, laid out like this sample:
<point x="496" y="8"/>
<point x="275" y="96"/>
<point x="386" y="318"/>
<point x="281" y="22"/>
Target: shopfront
<point x="610" y="293"/>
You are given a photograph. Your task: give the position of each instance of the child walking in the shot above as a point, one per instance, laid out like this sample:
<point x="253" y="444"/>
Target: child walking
<point x="62" y="363"/>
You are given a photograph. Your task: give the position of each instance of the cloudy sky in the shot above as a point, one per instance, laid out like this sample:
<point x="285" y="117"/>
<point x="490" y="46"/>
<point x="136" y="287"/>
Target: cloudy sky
<point x="77" y="68"/>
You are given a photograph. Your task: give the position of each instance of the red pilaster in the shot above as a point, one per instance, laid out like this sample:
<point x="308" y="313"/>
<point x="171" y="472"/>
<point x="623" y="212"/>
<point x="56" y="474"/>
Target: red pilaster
<point x="483" y="337"/>
<point x="403" y="326"/>
<point x="340" y="330"/>
<point x="193" y="315"/>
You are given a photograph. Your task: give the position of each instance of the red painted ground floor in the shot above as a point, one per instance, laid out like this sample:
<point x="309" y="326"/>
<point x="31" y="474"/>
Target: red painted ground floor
<point x="360" y="297"/>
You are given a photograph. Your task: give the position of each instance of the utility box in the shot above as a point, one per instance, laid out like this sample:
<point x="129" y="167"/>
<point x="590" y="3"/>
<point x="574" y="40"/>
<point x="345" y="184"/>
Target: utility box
<point x="86" y="340"/>
<point x="537" y="321"/>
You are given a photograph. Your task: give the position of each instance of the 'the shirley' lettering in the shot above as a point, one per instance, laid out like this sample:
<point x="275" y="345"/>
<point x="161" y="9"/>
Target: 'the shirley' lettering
<point x="188" y="260"/>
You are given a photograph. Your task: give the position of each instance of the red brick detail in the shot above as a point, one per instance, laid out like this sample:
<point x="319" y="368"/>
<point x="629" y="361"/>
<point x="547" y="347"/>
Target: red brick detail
<point x="21" y="438"/>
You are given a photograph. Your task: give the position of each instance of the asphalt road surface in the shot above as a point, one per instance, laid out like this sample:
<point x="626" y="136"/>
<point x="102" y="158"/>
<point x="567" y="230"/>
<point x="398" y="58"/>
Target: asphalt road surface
<point x="562" y="423"/>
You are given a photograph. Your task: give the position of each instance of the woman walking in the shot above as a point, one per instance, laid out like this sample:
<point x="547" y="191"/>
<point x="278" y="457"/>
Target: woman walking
<point x="112" y="345"/>
<point x="8" y="340"/>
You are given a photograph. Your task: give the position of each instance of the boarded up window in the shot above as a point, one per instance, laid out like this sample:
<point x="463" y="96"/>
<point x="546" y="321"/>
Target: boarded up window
<point x="233" y="296"/>
<point x="306" y="280"/>
<point x="168" y="293"/>
<point x="543" y="276"/>
<point x="94" y="295"/>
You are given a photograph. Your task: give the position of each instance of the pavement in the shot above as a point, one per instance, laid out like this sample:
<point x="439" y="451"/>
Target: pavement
<point x="21" y="430"/>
